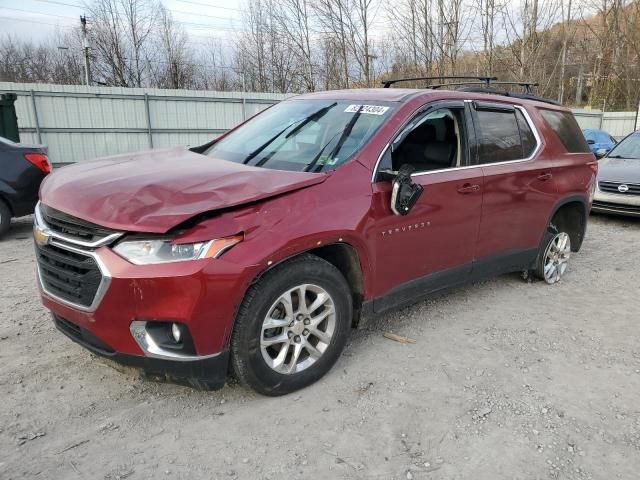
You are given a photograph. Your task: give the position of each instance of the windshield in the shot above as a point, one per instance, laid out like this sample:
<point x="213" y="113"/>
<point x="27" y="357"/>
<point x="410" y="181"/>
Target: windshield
<point x="303" y="135"/>
<point x="627" y="148"/>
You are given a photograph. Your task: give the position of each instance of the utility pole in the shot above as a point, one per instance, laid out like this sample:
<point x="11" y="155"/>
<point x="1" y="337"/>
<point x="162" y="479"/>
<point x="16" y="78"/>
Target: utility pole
<point x="565" y="39"/>
<point x="579" y="87"/>
<point x="85" y="47"/>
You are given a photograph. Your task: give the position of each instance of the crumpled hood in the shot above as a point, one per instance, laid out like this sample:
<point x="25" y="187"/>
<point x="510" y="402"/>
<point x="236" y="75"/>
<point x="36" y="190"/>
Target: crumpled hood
<point x="156" y="190"/>
<point x="619" y="170"/>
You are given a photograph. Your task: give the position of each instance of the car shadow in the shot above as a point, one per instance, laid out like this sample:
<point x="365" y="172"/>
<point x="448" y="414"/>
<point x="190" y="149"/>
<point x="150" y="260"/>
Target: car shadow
<point x="20" y="229"/>
<point x="616" y="220"/>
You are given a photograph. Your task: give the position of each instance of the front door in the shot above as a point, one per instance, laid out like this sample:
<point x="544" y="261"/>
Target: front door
<point x="433" y="246"/>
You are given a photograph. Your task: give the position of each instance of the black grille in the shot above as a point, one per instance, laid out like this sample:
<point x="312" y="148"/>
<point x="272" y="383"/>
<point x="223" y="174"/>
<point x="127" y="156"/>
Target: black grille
<point x="71" y="226"/>
<point x="617" y="207"/>
<point x="68" y="275"/>
<point x="612" y="187"/>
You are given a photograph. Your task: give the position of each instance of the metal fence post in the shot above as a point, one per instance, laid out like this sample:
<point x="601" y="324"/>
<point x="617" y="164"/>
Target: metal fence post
<point x="35" y="116"/>
<point x="244" y="98"/>
<point x="149" y="133"/>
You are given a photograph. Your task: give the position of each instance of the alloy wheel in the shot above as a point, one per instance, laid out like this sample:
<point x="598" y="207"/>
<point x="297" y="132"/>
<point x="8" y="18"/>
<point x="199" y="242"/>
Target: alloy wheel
<point x="298" y="329"/>
<point x="556" y="257"/>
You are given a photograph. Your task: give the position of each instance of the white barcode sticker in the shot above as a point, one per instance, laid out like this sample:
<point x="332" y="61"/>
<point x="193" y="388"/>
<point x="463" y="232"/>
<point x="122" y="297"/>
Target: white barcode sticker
<point x="370" y="109"/>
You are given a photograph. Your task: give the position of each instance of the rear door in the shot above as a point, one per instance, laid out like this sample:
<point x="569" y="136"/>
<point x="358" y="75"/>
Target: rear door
<point x="433" y="246"/>
<point x="519" y="188"/>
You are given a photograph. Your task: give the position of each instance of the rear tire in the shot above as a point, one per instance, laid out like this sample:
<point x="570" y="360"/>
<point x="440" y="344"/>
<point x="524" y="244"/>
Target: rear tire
<point x="5" y="218"/>
<point x="554" y="255"/>
<point x="292" y="326"/>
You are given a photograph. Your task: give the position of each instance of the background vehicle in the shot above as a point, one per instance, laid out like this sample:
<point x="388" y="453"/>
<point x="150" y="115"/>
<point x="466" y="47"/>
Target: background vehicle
<point x="262" y="248"/>
<point x="22" y="169"/>
<point x="618" y="187"/>
<point x="600" y="142"/>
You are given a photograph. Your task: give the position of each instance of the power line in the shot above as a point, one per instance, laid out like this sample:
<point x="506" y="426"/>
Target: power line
<point x="200" y="4"/>
<point x="35" y="13"/>
<point x="28" y="20"/>
<point x="198" y="26"/>
<point x="198" y="14"/>
<point x="61" y="3"/>
<point x="182" y="12"/>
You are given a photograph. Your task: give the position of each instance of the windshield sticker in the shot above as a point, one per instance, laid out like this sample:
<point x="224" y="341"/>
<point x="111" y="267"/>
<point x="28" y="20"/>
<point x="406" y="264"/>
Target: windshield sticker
<point x="370" y="109"/>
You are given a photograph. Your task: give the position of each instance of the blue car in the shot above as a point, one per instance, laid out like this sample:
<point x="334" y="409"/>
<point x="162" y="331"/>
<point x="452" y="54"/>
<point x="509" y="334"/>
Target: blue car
<point x="599" y="140"/>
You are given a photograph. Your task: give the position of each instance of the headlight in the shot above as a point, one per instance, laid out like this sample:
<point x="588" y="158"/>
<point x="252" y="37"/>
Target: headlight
<point x="145" y="252"/>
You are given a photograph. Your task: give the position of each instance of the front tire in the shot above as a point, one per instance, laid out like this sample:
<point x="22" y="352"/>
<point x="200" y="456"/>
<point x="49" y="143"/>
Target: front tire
<point x="554" y="255"/>
<point x="291" y="326"/>
<point x="5" y="218"/>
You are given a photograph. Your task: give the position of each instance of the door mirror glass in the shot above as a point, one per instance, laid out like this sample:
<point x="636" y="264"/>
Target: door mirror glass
<point x="404" y="193"/>
<point x="601" y="152"/>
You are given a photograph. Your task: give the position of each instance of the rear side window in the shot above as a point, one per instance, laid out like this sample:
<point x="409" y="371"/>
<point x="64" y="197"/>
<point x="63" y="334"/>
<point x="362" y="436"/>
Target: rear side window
<point x="567" y="129"/>
<point x="499" y="136"/>
<point x="526" y="135"/>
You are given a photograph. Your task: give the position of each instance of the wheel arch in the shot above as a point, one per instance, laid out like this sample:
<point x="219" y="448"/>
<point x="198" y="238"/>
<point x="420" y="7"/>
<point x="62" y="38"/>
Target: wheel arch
<point x="571" y="214"/>
<point x="346" y="258"/>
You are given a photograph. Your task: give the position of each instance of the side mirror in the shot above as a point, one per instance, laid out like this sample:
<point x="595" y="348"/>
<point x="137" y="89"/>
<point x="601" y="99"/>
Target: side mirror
<point x="601" y="152"/>
<point x="404" y="193"/>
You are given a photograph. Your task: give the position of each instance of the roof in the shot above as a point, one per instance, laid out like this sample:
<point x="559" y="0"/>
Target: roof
<point x="403" y="94"/>
<point x="381" y="94"/>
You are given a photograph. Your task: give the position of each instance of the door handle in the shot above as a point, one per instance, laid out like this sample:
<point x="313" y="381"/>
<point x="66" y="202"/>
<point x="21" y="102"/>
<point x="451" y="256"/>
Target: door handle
<point x="545" y="176"/>
<point x="468" y="188"/>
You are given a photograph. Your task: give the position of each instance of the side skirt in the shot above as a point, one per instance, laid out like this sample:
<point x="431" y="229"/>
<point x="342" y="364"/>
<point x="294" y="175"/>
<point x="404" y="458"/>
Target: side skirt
<point x="436" y="283"/>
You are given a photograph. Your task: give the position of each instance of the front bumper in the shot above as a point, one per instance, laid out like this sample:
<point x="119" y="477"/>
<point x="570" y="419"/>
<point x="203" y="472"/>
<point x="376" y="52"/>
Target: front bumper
<point x="208" y="372"/>
<point x="202" y="295"/>
<point x="618" y="204"/>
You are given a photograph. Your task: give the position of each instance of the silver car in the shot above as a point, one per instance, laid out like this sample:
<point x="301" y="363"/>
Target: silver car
<point x="618" y="185"/>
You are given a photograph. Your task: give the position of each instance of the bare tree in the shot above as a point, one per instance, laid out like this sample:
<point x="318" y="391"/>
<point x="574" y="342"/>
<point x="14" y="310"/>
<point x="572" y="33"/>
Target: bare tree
<point x="174" y="63"/>
<point x="292" y="19"/>
<point x="120" y="32"/>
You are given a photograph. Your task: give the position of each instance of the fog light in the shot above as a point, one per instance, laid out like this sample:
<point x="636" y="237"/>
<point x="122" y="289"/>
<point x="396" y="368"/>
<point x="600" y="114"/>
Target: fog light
<point x="176" y="332"/>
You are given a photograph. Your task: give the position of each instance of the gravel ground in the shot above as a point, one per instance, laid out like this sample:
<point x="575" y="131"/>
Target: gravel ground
<point x="507" y="379"/>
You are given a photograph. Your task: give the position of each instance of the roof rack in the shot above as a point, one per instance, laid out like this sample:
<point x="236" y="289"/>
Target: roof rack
<point x="523" y="96"/>
<point x="479" y="85"/>
<point x="486" y="80"/>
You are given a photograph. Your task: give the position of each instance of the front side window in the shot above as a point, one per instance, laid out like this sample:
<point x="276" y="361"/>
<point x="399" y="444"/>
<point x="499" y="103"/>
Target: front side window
<point x="304" y="135"/>
<point x="627" y="148"/>
<point x="566" y="128"/>
<point x="498" y="136"/>
<point x="433" y="141"/>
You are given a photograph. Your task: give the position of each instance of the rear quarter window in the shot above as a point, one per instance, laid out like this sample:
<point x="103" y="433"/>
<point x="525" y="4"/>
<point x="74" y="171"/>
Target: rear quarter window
<point x="566" y="128"/>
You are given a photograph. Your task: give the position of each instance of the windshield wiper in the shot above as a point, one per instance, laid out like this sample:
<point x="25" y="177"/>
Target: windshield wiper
<point x="302" y="122"/>
<point x="345" y="133"/>
<point x="266" y="144"/>
<point x="311" y="164"/>
<point x="314" y="116"/>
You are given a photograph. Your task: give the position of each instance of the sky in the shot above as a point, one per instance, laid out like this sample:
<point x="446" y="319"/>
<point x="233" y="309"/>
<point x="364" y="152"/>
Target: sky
<point x="36" y="20"/>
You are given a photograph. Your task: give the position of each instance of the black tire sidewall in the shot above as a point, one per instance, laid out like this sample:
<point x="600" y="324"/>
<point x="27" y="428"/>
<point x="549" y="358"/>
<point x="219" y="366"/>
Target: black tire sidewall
<point x="549" y="235"/>
<point x="5" y="218"/>
<point x="246" y="342"/>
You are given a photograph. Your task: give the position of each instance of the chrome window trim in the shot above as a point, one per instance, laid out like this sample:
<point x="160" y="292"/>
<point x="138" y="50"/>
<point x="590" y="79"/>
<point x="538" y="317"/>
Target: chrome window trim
<point x="42" y="225"/>
<point x="138" y="329"/>
<point x="102" y="287"/>
<point x="480" y="165"/>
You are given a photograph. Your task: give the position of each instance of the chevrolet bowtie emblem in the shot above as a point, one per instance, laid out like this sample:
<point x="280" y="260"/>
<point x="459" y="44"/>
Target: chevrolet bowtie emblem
<point x="40" y="236"/>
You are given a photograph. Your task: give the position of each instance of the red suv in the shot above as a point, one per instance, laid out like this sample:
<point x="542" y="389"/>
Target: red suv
<point x="261" y="249"/>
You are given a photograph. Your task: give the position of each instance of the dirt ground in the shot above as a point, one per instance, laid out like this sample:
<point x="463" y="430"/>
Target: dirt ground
<point x="507" y="379"/>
